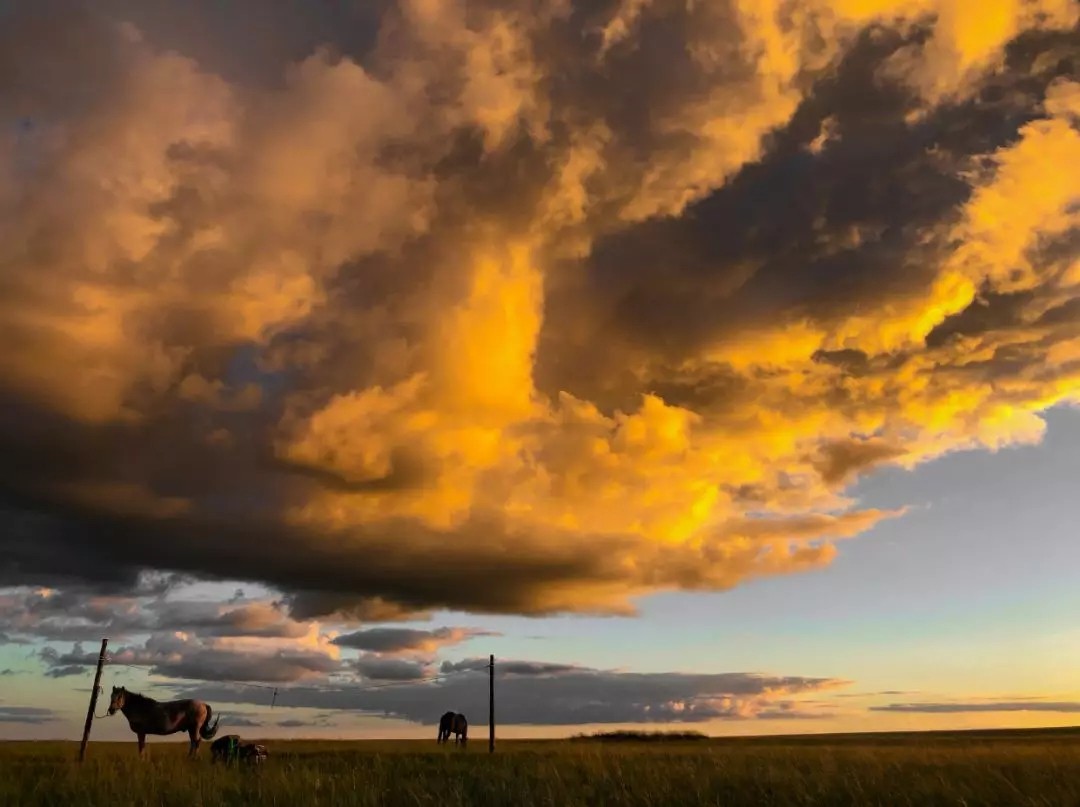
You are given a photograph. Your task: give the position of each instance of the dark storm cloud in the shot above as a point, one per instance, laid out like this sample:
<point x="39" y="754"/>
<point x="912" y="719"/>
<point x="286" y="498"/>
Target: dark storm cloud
<point x="42" y="549"/>
<point x="248" y="40"/>
<point x="842" y="460"/>
<point x="573" y="696"/>
<point x="990" y="312"/>
<point x="805" y="234"/>
<point x="380" y="563"/>
<point x="848" y="359"/>
<point x="348" y="607"/>
<point x="400" y="640"/>
<point x="795" y="234"/>
<point x="377" y="668"/>
<point x="371" y="323"/>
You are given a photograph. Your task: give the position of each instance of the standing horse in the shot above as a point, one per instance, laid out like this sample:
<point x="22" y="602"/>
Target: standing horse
<point x="456" y="724"/>
<point x="147" y="716"/>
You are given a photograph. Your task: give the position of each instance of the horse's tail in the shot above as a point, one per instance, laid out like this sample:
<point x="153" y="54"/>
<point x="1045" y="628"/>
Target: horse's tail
<point x="207" y="731"/>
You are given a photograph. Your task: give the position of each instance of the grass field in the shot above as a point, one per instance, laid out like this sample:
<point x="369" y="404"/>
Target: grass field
<point x="985" y="768"/>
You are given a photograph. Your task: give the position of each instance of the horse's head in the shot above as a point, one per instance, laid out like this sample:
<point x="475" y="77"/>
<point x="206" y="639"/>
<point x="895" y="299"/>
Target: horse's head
<point x="119" y="695"/>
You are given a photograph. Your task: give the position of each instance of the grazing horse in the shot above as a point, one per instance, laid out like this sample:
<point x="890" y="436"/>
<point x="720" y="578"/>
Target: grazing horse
<point x="456" y="724"/>
<point x="226" y="749"/>
<point x="147" y="716"/>
<point x="446" y="725"/>
<point x="253" y="753"/>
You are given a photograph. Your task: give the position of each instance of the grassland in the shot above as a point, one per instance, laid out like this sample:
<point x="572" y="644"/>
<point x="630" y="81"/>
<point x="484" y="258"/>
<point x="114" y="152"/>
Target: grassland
<point x="986" y="768"/>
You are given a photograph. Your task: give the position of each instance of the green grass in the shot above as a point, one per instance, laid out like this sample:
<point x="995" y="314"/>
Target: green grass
<point x="985" y="768"/>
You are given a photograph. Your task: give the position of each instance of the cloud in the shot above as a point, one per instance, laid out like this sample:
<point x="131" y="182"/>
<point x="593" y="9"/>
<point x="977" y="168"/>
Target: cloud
<point x="66" y="670"/>
<point x="475" y="308"/>
<point x="70" y="613"/>
<point x="1066" y="707"/>
<point x="842" y="460"/>
<point x="408" y="640"/>
<point x="305" y="604"/>
<point x="32" y="715"/>
<point x="259" y="619"/>
<point x="180" y="655"/>
<point x="234" y="640"/>
<point x="539" y="693"/>
<point x="239" y="721"/>
<point x="380" y="668"/>
<point x="79" y="613"/>
<point x="510" y="667"/>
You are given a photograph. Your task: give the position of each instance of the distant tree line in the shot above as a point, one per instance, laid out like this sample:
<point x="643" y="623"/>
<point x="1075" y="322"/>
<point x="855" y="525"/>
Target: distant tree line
<point x="643" y="736"/>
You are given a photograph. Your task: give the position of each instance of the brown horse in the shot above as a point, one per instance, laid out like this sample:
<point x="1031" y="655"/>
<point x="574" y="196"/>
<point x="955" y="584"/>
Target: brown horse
<point x="147" y="716"/>
<point x="456" y="724"/>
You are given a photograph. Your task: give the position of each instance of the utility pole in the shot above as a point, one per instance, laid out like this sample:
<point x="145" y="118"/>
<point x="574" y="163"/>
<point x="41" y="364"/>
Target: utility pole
<point x="93" y="700"/>
<point x="491" y="704"/>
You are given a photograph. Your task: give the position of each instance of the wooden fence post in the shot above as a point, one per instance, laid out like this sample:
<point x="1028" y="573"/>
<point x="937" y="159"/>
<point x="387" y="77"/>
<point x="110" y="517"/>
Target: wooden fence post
<point x="491" y="704"/>
<point x="93" y="700"/>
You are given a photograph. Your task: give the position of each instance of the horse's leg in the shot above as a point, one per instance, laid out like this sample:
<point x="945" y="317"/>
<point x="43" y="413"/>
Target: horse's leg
<point x="142" y="746"/>
<point x="193" y="733"/>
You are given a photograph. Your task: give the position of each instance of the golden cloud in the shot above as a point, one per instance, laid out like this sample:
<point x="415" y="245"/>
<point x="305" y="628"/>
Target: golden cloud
<point x="529" y="308"/>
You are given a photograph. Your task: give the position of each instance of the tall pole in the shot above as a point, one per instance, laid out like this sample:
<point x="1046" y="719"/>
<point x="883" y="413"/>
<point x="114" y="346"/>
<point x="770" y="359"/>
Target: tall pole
<point x="93" y="700"/>
<point x="491" y="704"/>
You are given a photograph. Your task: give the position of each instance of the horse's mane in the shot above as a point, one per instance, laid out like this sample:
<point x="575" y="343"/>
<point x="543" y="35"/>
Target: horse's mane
<point x="136" y="697"/>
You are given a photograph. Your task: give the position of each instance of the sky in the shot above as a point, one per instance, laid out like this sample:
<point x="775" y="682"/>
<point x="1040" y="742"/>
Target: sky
<point x="715" y="366"/>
